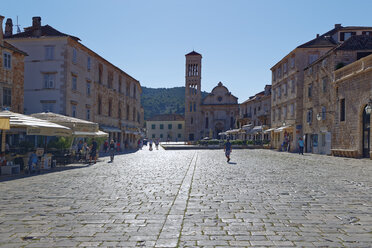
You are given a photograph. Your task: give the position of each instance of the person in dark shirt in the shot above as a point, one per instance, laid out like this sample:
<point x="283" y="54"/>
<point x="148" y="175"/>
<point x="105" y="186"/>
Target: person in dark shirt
<point x="227" y="149"/>
<point x="93" y="151"/>
<point x="112" y="150"/>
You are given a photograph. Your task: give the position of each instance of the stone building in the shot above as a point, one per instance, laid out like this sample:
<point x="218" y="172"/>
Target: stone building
<point x="255" y="115"/>
<point x="288" y="81"/>
<point x="64" y="76"/>
<point x="219" y="110"/>
<point x="212" y="115"/>
<point x="11" y="73"/>
<point x="193" y="98"/>
<point x="351" y="133"/>
<point x="319" y="96"/>
<point x="166" y="127"/>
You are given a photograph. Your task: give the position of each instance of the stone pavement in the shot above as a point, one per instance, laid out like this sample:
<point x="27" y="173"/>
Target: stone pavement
<point x="191" y="198"/>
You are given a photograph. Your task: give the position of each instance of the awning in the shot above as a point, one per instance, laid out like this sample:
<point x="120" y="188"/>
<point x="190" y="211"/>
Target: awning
<point x="234" y="131"/>
<point x="281" y="129"/>
<point x="4" y="123"/>
<point x="269" y="130"/>
<point x="35" y="126"/>
<point x="257" y="129"/>
<point x="247" y="127"/>
<point x="75" y="124"/>
<point x="90" y="134"/>
<point x="110" y="129"/>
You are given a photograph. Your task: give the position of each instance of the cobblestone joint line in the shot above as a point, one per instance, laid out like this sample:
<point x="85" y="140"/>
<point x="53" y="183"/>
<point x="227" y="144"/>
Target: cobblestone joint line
<point x="187" y="200"/>
<point x="171" y="223"/>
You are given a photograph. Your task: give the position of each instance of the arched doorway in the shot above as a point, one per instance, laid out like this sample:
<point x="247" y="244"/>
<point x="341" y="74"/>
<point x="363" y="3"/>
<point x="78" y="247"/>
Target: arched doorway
<point x="218" y="128"/>
<point x="366" y="133"/>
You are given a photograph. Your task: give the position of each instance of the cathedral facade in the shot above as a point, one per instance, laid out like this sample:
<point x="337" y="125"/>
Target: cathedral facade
<point x="212" y="115"/>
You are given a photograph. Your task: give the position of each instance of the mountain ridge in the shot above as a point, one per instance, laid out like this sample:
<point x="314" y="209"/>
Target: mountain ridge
<point x="164" y="101"/>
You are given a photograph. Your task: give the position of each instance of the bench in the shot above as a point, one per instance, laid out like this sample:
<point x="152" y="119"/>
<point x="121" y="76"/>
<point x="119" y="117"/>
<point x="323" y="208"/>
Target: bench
<point x="349" y="153"/>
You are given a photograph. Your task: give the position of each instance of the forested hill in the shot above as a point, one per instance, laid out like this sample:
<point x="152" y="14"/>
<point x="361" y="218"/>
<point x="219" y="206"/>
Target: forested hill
<point x="164" y="101"/>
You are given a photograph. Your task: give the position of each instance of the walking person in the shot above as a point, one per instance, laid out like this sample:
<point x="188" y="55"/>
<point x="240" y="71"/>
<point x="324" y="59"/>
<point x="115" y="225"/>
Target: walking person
<point x="93" y="152"/>
<point x="300" y="146"/>
<point x="105" y="146"/>
<point x="150" y="145"/>
<point x="157" y="144"/>
<point x="118" y="146"/>
<point x="86" y="152"/>
<point x="112" y="150"/>
<point x="227" y="149"/>
<point x="79" y="150"/>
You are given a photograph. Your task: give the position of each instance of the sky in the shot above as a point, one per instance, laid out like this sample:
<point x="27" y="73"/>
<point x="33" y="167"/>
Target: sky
<point x="240" y="40"/>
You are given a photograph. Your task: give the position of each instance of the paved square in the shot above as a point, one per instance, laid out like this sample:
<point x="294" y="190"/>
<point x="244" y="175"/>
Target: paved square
<point x="193" y="199"/>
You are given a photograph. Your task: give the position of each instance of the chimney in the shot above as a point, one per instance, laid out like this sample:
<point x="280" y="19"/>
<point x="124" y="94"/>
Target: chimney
<point x="338" y="26"/>
<point x="1" y="30"/>
<point x="317" y="35"/>
<point x="36" y="25"/>
<point x="8" y="27"/>
<point x="36" y="22"/>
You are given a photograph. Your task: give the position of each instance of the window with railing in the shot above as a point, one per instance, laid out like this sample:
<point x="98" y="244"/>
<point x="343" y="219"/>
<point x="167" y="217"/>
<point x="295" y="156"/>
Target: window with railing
<point x="49" y="52"/>
<point x="74" y="55"/>
<point x="48" y="79"/>
<point x="7" y="61"/>
<point x="7" y="97"/>
<point x="309" y="117"/>
<point x="74" y="82"/>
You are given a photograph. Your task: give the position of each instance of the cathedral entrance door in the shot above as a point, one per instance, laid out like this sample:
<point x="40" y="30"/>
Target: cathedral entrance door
<point x="218" y="128"/>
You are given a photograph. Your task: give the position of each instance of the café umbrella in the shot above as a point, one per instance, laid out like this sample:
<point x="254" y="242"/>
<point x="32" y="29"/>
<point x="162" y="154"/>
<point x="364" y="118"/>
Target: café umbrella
<point x="33" y="126"/>
<point x="79" y="127"/>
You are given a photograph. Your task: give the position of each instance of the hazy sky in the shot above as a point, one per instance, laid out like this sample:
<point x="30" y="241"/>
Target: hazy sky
<point x="239" y="40"/>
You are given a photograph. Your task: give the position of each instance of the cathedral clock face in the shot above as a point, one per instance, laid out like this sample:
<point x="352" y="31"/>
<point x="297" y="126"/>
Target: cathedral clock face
<point x="219" y="98"/>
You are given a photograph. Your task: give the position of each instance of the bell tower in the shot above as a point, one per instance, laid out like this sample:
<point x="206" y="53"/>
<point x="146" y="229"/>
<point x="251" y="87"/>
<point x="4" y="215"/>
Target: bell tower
<point x="193" y="99"/>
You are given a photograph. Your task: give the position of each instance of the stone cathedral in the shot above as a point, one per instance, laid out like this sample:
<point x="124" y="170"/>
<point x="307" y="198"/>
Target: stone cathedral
<point x="212" y="115"/>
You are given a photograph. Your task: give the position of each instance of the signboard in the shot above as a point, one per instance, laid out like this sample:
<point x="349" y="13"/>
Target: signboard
<point x="48" y="131"/>
<point x="299" y="127"/>
<point x="4" y="123"/>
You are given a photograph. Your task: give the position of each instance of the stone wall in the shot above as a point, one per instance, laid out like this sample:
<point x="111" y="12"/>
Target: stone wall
<point x="356" y="89"/>
<point x="18" y="83"/>
<point x="13" y="78"/>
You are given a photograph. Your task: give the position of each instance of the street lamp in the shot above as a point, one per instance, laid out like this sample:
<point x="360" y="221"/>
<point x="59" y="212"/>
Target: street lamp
<point x="321" y="115"/>
<point x="368" y="108"/>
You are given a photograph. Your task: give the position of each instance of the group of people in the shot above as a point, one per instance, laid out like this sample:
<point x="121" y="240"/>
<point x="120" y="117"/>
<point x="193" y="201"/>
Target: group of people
<point x="228" y="148"/>
<point x="85" y="152"/>
<point x="156" y="144"/>
<point x="116" y="146"/>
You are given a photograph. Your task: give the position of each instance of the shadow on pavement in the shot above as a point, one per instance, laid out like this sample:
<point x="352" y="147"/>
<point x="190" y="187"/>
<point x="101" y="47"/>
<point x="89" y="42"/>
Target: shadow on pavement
<point x="231" y="163"/>
<point x="107" y="154"/>
<point x="5" y="178"/>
